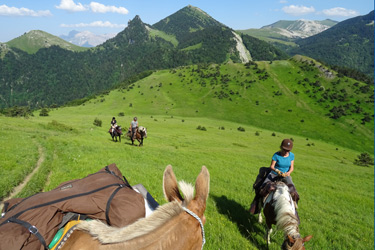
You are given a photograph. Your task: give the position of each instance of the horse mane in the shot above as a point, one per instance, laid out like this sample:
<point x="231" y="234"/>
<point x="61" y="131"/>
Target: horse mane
<point x="107" y="234"/>
<point x="285" y="212"/>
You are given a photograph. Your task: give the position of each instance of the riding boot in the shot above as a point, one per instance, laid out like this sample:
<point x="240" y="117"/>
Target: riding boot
<point x="293" y="192"/>
<point x="268" y="188"/>
<point x="255" y="206"/>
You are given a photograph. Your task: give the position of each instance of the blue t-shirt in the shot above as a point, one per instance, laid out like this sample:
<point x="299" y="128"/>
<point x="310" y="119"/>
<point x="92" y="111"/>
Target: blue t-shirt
<point x="282" y="163"/>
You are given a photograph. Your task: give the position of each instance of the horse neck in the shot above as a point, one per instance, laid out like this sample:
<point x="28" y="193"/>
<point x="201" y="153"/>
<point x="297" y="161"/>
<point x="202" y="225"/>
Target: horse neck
<point x="286" y="219"/>
<point x="182" y="232"/>
<point x="169" y="227"/>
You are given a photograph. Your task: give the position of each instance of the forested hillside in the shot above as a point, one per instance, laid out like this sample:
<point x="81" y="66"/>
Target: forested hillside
<point x="54" y="76"/>
<point x="350" y="43"/>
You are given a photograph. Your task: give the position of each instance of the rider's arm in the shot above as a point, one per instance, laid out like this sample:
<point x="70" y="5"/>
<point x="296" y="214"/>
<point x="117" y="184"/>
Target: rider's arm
<point x="273" y="163"/>
<point x="291" y="168"/>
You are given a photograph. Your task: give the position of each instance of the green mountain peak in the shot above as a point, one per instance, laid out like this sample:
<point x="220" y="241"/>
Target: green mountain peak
<point x="34" y="40"/>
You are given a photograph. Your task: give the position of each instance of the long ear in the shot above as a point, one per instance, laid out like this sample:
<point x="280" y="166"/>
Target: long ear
<point x="170" y="188"/>
<point x="202" y="186"/>
<point x="307" y="238"/>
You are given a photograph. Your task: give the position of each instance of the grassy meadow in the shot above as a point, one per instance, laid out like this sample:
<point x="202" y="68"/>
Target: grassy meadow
<point x="337" y="197"/>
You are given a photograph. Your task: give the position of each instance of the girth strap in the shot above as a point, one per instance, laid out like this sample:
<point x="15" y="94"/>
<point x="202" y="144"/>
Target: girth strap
<point x="109" y="203"/>
<point x="32" y="229"/>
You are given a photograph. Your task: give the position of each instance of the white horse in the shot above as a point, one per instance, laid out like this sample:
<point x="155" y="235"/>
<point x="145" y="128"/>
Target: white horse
<point x="279" y="209"/>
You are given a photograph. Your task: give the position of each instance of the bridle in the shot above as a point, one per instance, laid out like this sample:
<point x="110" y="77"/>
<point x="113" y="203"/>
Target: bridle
<point x="200" y="223"/>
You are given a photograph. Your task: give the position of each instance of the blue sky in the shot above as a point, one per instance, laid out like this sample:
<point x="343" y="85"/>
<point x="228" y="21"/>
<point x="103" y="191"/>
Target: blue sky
<point x="58" y="17"/>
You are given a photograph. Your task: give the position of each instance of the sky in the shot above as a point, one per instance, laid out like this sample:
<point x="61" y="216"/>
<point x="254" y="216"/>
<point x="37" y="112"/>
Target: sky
<point x="59" y="17"/>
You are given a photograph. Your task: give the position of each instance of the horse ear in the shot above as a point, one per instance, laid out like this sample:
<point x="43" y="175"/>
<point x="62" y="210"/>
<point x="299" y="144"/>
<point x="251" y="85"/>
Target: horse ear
<point x="307" y="238"/>
<point x="170" y="188"/>
<point x="202" y="185"/>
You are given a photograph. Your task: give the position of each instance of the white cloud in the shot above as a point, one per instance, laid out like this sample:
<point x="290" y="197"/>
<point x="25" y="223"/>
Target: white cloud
<point x="297" y="10"/>
<point x="13" y="11"/>
<point x="283" y="1"/>
<point x="101" y="8"/>
<point x="71" y="6"/>
<point x="340" y="12"/>
<point x="95" y="7"/>
<point x="96" y="24"/>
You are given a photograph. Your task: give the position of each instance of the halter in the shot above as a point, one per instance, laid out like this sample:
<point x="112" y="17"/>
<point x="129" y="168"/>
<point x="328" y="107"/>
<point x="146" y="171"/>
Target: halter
<point x="200" y="223"/>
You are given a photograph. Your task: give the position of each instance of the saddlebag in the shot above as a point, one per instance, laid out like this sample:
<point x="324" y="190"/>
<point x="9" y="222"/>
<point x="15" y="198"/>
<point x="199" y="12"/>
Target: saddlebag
<point x="32" y="222"/>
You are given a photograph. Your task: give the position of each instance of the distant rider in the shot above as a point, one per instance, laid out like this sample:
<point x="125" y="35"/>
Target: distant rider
<point x="134" y="127"/>
<point x="113" y="124"/>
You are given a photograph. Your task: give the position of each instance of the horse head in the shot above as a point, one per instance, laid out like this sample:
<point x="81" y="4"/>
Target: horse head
<point x="143" y="131"/>
<point x="295" y="244"/>
<point x="195" y="206"/>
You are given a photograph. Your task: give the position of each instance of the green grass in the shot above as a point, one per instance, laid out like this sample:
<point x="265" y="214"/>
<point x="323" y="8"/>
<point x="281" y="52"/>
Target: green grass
<point x="170" y="38"/>
<point x="34" y="40"/>
<point x="336" y="204"/>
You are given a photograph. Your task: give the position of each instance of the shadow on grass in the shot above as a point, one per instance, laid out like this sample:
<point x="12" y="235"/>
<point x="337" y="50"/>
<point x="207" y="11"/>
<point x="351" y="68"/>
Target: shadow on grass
<point x="247" y="223"/>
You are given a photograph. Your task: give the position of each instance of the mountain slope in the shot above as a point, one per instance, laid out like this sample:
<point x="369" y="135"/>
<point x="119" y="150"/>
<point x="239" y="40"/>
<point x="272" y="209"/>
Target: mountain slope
<point x="186" y="20"/>
<point x="54" y="76"/>
<point x="349" y="43"/>
<point x="34" y="40"/>
<point x="295" y="96"/>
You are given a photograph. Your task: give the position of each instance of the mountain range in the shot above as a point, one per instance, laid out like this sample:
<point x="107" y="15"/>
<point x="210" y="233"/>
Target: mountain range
<point x="86" y="38"/>
<point x="54" y="75"/>
<point x="290" y="30"/>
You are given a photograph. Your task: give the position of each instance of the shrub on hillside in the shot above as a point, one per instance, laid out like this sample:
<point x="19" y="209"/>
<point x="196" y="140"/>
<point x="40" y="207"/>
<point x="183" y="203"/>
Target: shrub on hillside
<point x="97" y="122"/>
<point x="17" y="111"/>
<point x="201" y="128"/>
<point x="44" y="112"/>
<point x="364" y="159"/>
<point x="241" y="129"/>
<point x="121" y="114"/>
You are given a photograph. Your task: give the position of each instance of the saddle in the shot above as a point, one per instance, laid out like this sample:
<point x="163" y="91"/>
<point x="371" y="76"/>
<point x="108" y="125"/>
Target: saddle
<point x="261" y="192"/>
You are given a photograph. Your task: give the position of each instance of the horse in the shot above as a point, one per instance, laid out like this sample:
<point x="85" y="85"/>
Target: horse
<point x="117" y="132"/>
<point x="140" y="134"/>
<point x="176" y="225"/>
<point x="279" y="209"/>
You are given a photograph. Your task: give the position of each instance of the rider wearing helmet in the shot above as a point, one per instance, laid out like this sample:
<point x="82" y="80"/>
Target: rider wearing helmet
<point x="113" y="124"/>
<point x="282" y="165"/>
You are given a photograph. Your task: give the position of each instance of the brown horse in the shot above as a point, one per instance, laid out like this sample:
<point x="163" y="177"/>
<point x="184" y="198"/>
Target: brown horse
<point x="175" y="225"/>
<point x="140" y="134"/>
<point x="117" y="132"/>
<point x="279" y="209"/>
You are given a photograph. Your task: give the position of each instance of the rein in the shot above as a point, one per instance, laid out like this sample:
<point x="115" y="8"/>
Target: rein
<point x="200" y="223"/>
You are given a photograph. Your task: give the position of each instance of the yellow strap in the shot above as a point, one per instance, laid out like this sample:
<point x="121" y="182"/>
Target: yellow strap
<point x="67" y="227"/>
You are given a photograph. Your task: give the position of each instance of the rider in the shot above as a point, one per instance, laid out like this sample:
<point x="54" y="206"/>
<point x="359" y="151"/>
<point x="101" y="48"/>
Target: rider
<point x="134" y="127"/>
<point x="113" y="124"/>
<point x="282" y="164"/>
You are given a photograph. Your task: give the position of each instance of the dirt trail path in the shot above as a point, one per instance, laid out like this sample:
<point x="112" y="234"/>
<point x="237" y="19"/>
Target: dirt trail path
<point x="18" y="189"/>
